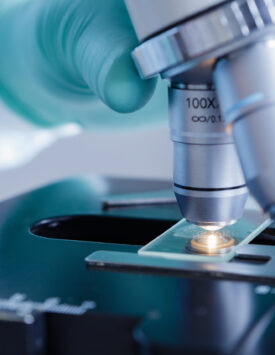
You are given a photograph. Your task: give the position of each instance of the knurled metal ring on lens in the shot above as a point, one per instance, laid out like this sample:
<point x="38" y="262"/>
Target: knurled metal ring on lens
<point x="216" y="32"/>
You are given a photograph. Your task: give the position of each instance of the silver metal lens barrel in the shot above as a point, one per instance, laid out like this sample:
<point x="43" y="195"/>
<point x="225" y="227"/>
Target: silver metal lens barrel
<point x="244" y="79"/>
<point x="204" y="38"/>
<point x="208" y="181"/>
<point x="245" y="83"/>
<point x="152" y="16"/>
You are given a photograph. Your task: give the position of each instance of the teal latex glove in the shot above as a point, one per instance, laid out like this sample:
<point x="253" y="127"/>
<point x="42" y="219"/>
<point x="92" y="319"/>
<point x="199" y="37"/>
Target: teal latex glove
<point x="58" y="55"/>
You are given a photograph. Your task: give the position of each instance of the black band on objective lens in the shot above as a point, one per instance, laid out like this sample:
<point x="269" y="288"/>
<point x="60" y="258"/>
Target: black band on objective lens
<point x="208" y="189"/>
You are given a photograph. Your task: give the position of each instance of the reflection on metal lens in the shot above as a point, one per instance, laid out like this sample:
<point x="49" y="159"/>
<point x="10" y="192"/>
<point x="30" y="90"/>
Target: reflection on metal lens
<point x="214" y="226"/>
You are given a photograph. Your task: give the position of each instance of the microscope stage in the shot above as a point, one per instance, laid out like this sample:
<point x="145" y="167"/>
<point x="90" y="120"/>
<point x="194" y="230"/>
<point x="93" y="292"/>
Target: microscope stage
<point x="72" y="281"/>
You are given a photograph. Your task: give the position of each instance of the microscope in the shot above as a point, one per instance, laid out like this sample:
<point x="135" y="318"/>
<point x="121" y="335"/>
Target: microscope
<point x="219" y="58"/>
<point x="101" y="265"/>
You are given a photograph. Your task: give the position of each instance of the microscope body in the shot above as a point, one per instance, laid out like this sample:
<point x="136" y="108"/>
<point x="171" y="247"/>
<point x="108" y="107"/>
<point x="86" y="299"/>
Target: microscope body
<point x="223" y="143"/>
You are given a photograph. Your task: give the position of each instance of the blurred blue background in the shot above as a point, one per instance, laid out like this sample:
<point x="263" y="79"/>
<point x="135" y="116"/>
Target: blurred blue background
<point x="143" y="152"/>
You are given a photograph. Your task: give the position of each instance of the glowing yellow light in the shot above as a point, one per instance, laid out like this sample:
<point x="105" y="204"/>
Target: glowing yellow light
<point x="215" y="226"/>
<point x="211" y="228"/>
<point x="270" y="43"/>
<point x="211" y="243"/>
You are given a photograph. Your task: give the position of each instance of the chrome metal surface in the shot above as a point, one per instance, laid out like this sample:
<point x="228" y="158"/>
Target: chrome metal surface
<point x="228" y="41"/>
<point x="151" y="16"/>
<point x="245" y="82"/>
<point x="262" y="270"/>
<point x="208" y="180"/>
<point x="211" y="35"/>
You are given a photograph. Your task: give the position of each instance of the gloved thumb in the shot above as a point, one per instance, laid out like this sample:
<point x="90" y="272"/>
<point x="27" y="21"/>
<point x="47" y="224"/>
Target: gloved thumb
<point x="92" y="40"/>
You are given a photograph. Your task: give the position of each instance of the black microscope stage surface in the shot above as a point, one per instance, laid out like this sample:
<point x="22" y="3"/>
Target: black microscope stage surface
<point x="53" y="302"/>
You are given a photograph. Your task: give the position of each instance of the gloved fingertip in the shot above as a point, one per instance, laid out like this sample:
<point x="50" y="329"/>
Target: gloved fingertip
<point x="122" y="89"/>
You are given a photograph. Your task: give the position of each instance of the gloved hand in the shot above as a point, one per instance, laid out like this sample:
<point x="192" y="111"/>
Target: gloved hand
<point x="56" y="55"/>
